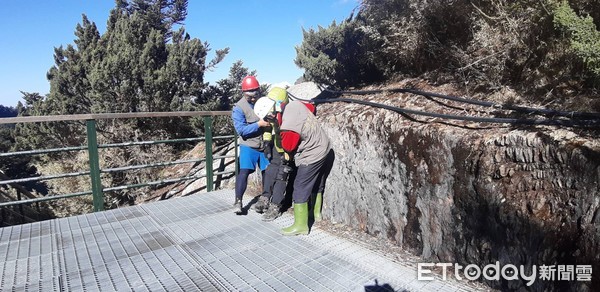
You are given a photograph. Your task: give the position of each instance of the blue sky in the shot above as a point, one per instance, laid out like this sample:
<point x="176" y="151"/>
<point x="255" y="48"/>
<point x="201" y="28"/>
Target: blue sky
<point x="262" y="33"/>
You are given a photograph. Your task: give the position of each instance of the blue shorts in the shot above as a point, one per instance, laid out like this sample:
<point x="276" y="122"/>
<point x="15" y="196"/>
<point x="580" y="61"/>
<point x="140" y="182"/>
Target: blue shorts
<point x="249" y="157"/>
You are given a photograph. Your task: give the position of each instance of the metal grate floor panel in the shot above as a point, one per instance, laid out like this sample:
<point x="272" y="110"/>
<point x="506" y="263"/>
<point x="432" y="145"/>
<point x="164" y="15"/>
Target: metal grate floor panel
<point x="193" y="243"/>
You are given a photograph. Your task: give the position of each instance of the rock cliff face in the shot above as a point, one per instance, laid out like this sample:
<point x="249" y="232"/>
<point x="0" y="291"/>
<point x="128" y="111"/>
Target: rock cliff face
<point x="467" y="194"/>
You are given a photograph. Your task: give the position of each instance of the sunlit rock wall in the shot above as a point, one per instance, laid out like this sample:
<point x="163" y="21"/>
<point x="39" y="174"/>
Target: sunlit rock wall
<point x="469" y="196"/>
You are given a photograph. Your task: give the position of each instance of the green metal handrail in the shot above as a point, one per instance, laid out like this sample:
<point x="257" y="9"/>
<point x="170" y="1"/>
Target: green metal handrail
<point x="92" y="147"/>
<point x="47" y="198"/>
<point x="139" y="143"/>
<point x="43" y="151"/>
<point x="142" y="166"/>
<point x="40" y="178"/>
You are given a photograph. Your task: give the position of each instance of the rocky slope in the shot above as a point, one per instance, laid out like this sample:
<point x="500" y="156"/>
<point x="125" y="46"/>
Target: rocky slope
<point x="466" y="193"/>
<point x="189" y="187"/>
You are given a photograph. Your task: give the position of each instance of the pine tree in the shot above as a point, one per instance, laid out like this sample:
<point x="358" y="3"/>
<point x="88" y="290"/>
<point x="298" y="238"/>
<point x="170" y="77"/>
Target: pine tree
<point x="223" y="95"/>
<point x="343" y="54"/>
<point x="144" y="62"/>
<point x="140" y="64"/>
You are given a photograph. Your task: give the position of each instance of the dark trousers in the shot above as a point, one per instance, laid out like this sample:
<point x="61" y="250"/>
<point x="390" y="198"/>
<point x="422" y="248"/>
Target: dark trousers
<point x="241" y="182"/>
<point x="273" y="188"/>
<point x="312" y="178"/>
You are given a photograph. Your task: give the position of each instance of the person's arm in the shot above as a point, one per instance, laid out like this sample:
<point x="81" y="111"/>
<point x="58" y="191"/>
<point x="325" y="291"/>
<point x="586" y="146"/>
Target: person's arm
<point x="242" y="127"/>
<point x="311" y="107"/>
<point x="267" y="145"/>
<point x="290" y="141"/>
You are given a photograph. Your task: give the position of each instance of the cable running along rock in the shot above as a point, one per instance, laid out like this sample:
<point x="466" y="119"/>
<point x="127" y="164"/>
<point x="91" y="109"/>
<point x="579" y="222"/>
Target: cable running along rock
<point x="584" y="119"/>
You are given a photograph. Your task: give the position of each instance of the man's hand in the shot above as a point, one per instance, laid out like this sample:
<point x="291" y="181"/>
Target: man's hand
<point x="262" y="123"/>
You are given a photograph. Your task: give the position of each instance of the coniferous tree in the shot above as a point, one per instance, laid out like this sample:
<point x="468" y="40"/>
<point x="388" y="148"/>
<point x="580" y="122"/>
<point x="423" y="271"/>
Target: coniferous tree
<point x="223" y="94"/>
<point x="342" y="54"/>
<point x="13" y="166"/>
<point x="545" y="50"/>
<point x="145" y="61"/>
<point x="139" y="64"/>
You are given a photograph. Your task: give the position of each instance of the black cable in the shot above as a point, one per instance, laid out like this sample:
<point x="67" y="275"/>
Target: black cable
<point x="552" y="122"/>
<point x="530" y="110"/>
<point x="405" y="112"/>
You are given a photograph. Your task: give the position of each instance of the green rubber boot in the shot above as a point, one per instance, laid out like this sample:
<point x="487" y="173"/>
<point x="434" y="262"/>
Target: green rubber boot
<point x="318" y="205"/>
<point x="300" y="225"/>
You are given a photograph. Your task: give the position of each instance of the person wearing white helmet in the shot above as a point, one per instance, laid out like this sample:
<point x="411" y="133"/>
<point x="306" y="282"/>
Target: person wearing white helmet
<point x="268" y="108"/>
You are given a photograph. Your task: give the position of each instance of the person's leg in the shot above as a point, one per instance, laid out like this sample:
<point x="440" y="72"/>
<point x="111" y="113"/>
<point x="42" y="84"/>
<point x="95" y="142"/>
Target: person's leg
<point x="247" y="160"/>
<point x="268" y="181"/>
<point x="261" y="159"/>
<point x="270" y="174"/>
<point x="277" y="189"/>
<point x="241" y="182"/>
<point x="303" y="184"/>
<point x="263" y="163"/>
<point x="325" y="170"/>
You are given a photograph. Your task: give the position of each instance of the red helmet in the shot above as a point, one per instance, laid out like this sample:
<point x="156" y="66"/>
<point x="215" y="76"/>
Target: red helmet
<point x="249" y="83"/>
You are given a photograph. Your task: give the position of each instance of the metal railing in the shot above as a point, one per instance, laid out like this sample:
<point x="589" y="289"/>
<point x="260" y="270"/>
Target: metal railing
<point x="97" y="189"/>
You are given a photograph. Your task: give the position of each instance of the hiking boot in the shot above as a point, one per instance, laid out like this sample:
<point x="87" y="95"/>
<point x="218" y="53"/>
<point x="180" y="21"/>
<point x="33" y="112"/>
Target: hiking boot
<point x="237" y="206"/>
<point x="261" y="205"/>
<point x="272" y="212"/>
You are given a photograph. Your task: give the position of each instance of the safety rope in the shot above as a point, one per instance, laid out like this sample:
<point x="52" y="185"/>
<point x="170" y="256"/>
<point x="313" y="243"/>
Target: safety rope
<point x="586" y="119"/>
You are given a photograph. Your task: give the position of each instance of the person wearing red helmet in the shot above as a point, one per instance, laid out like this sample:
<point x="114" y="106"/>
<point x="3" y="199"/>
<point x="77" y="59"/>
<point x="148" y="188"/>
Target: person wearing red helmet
<point x="249" y="127"/>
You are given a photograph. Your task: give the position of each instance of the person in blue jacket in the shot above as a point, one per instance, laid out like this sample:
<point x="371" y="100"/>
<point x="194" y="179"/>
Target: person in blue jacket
<point x="249" y="127"/>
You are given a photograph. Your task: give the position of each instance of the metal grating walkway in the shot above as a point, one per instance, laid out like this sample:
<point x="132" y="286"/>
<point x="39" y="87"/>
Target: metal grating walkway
<point x="193" y="243"/>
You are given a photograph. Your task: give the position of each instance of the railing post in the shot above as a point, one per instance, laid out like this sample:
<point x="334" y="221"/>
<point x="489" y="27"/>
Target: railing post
<point x="236" y="160"/>
<point x="20" y="207"/>
<point x="97" y="195"/>
<point x="208" y="150"/>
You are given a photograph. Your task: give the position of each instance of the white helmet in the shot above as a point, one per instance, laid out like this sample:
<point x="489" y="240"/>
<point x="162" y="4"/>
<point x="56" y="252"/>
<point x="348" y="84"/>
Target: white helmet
<point x="264" y="106"/>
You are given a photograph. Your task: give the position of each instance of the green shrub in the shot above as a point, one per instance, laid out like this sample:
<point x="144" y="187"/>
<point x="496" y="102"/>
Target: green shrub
<point x="583" y="36"/>
<point x="485" y="45"/>
<point x="343" y="54"/>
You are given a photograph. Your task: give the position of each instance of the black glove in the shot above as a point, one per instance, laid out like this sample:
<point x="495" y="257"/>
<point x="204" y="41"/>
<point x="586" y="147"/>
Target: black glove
<point x="267" y="149"/>
<point x="270" y="119"/>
